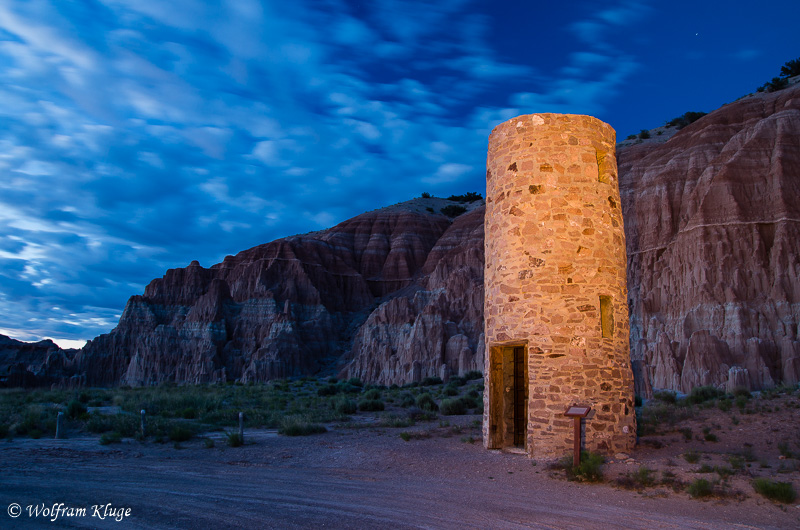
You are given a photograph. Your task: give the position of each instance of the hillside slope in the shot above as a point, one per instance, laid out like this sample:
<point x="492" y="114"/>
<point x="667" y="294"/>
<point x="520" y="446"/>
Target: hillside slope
<point x="712" y="219"/>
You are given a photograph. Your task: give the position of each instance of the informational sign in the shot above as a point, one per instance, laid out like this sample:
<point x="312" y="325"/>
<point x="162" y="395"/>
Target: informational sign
<point x="576" y="411"/>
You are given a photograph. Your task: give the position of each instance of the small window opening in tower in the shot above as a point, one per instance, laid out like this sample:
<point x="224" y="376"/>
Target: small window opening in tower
<point x="606" y="316"/>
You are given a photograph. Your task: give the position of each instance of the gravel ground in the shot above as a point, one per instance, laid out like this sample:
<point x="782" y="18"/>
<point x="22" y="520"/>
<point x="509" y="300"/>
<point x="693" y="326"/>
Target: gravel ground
<point x="345" y="478"/>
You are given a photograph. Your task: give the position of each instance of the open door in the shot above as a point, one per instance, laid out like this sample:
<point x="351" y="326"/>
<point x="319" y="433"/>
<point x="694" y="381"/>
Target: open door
<point x="508" y="397"/>
<point x="520" y="392"/>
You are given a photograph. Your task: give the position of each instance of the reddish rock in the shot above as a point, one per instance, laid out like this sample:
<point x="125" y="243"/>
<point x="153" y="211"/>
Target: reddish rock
<point x="286" y="308"/>
<point x="435" y="327"/>
<point x="712" y="219"/>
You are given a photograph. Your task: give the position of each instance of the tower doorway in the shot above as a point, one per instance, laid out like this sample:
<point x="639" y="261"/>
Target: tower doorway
<point x="508" y="397"/>
<point x="520" y="397"/>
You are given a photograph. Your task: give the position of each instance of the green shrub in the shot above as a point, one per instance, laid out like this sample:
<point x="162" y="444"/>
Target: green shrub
<point x="126" y="424"/>
<point x="372" y="394"/>
<point x="426" y="402"/>
<point x="453" y="407"/>
<point x="782" y="492"/>
<point x="430" y="381"/>
<point x="75" y="409"/>
<point x="692" y="457"/>
<point x="405" y="436"/>
<point x="110" y="438"/>
<point x="777" y="83"/>
<point x="700" y="488"/>
<point x="329" y="390"/>
<point x="406" y="400"/>
<point x="234" y="440"/>
<point x="644" y="134"/>
<point x="589" y="470"/>
<point x="701" y="394"/>
<point x="347" y="388"/>
<point x="453" y="210"/>
<point x="736" y="462"/>
<point x="724" y="471"/>
<point x="450" y="390"/>
<point x="4" y="430"/>
<point x="724" y="405"/>
<point x="687" y="118"/>
<point x="345" y="406"/>
<point x="686" y="432"/>
<point x="470" y="196"/>
<point x="209" y="443"/>
<point x="791" y="68"/>
<point x="426" y="195"/>
<point x="652" y="416"/>
<point x="473" y="374"/>
<point x="667" y="396"/>
<point x="637" y="401"/>
<point x="355" y="381"/>
<point x="292" y="426"/>
<point x="643" y="477"/>
<point x="370" y="405"/>
<point x="457" y="381"/>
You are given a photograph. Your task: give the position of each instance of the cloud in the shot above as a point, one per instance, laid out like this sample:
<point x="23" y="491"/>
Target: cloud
<point x="746" y="54"/>
<point x="450" y="172"/>
<point x="133" y="140"/>
<point x="595" y="29"/>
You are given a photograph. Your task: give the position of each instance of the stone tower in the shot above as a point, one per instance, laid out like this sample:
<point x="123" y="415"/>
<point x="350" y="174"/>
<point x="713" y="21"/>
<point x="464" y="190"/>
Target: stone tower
<point x="556" y="307"/>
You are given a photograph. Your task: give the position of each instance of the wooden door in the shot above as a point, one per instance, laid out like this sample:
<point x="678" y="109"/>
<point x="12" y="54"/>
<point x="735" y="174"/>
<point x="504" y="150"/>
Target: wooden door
<point x="520" y="397"/>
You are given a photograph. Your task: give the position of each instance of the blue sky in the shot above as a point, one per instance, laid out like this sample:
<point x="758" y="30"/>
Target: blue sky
<point x="138" y="135"/>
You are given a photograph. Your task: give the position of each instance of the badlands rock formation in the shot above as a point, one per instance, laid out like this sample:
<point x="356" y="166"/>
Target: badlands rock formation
<point x="293" y="306"/>
<point x="435" y="326"/>
<point x="712" y="221"/>
<point x="28" y="364"/>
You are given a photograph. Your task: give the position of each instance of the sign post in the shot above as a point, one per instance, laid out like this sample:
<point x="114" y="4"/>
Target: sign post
<point x="576" y="412"/>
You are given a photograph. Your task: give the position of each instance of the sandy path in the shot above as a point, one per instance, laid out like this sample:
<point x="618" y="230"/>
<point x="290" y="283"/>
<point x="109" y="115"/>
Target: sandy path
<point x="346" y="479"/>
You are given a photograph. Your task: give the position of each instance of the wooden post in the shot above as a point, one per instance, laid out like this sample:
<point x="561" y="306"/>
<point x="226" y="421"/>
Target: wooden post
<point x="241" y="427"/>
<point x="144" y="432"/>
<point x="59" y="425"/>
<point x="576" y="412"/>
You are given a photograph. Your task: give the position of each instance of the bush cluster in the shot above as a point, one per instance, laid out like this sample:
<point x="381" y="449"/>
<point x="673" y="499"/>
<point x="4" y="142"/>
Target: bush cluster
<point x="589" y="470"/>
<point x="295" y="426"/>
<point x="685" y="119"/>
<point x="470" y="196"/>
<point x="789" y="69"/>
<point x="426" y="402"/>
<point x="783" y="492"/>
<point x="453" y="210"/>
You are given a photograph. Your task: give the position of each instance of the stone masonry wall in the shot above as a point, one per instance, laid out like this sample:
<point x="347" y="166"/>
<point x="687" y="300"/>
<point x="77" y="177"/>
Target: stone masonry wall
<point x="554" y="247"/>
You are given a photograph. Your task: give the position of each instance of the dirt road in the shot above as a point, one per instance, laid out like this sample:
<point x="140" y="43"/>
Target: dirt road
<point x="343" y="479"/>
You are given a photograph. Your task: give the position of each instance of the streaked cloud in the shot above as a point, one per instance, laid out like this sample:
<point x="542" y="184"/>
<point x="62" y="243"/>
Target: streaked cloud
<point x="134" y="139"/>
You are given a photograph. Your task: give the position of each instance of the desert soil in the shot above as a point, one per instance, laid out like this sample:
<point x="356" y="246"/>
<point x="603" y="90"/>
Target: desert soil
<point x="372" y="478"/>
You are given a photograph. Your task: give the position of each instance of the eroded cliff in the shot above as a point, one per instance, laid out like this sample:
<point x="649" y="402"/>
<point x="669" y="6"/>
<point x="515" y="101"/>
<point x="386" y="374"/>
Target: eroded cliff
<point x="712" y="219"/>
